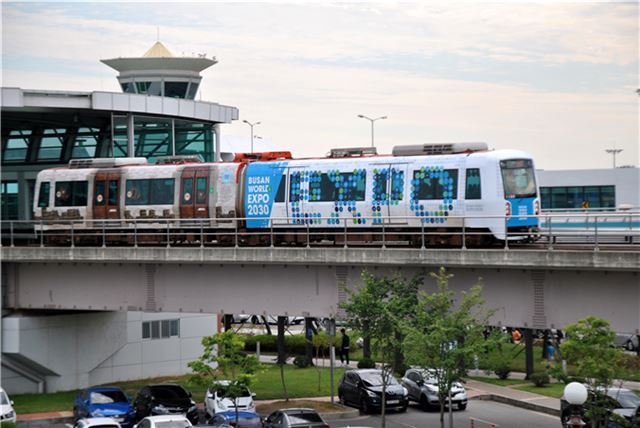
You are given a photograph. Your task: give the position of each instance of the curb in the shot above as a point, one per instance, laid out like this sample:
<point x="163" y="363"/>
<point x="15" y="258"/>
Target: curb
<point x="347" y="414"/>
<point x="518" y="403"/>
<point x="32" y="423"/>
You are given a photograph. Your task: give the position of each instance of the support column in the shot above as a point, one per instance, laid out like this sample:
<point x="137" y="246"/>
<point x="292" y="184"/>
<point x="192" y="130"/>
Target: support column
<point x="216" y="142"/>
<point x="528" y="351"/>
<point x="130" y="135"/>
<point x="282" y="355"/>
<point x="228" y="320"/>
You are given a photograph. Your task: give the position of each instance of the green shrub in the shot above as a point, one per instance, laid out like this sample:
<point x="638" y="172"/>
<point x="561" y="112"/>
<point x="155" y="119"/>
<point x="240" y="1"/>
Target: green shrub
<point x="502" y="371"/>
<point x="366" y="363"/>
<point x="7" y="424"/>
<point x="301" y="361"/>
<point x="293" y="344"/>
<point x="539" y="379"/>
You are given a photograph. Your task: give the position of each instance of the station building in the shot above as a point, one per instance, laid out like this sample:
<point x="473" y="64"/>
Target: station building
<point x="155" y="115"/>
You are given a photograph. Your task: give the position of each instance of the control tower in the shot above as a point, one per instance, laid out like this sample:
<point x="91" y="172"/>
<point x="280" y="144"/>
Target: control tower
<point x="158" y="72"/>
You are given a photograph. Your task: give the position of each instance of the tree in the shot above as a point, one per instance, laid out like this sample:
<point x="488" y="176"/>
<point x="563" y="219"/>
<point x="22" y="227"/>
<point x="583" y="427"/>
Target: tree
<point x="371" y="306"/>
<point x="224" y="356"/>
<point x="589" y="346"/>
<point x="446" y="334"/>
<point x="322" y="342"/>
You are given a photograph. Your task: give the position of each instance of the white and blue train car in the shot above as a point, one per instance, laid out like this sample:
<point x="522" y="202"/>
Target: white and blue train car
<point x="418" y="187"/>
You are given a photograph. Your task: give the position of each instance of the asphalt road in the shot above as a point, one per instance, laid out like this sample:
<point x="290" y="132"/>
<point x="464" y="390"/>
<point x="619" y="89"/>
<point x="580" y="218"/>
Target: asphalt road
<point x="502" y="415"/>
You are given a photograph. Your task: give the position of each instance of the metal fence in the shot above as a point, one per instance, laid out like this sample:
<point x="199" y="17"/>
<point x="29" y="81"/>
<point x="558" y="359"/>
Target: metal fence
<point x="589" y="229"/>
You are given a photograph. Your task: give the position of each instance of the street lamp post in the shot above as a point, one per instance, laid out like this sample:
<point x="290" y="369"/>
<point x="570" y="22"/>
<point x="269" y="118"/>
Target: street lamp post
<point x="613" y="152"/>
<point x="372" y="121"/>
<point x="576" y="394"/>
<point x="251" y="125"/>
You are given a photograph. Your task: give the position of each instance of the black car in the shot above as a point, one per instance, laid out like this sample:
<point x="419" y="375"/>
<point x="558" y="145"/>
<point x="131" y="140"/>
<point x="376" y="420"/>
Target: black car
<point x="363" y="389"/>
<point x="621" y="401"/>
<point x="165" y="399"/>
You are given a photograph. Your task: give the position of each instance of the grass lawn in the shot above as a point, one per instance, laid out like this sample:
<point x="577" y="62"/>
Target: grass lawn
<point x="267" y="386"/>
<point x="554" y="390"/>
<point x="499" y="382"/>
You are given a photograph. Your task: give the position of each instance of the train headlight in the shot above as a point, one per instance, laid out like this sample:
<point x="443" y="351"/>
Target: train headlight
<point x="507" y="209"/>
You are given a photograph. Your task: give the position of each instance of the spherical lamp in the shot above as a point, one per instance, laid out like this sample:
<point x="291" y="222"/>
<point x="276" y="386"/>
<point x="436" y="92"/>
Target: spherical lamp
<point x="576" y="394"/>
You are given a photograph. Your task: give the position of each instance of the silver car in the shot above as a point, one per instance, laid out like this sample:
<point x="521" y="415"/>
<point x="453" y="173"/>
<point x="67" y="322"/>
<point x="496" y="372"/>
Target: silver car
<point x="295" y="418"/>
<point x="423" y="389"/>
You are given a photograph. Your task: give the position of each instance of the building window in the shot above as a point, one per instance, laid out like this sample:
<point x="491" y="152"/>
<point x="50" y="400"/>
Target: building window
<point x="175" y="89"/>
<point x="51" y="144"/>
<point x="572" y="197"/>
<point x="160" y="329"/>
<point x="9" y="200"/>
<point x="17" y="145"/>
<point x="85" y="143"/>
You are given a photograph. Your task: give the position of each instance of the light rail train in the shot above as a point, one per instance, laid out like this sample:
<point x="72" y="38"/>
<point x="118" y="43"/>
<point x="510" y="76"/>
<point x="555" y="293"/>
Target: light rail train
<point x="413" y="194"/>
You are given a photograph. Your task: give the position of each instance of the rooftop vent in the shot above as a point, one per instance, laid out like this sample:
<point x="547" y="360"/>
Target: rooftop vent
<point x="352" y="151"/>
<point x="105" y="162"/>
<point x="438" y="149"/>
<point x="172" y="160"/>
<point x="261" y="156"/>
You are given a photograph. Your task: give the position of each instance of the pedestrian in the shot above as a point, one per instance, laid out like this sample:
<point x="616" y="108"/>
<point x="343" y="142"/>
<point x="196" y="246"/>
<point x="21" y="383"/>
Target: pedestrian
<point x="559" y="336"/>
<point x="551" y="351"/>
<point x="344" y="347"/>
<point x="516" y="336"/>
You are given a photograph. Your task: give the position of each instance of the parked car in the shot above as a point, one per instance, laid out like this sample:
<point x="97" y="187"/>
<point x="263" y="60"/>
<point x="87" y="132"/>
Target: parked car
<point x="621" y="401"/>
<point x="423" y="389"/>
<point x="627" y="341"/>
<point x="228" y="419"/>
<point x="7" y="414"/>
<point x="164" y="421"/>
<point x="109" y="402"/>
<point x="632" y="416"/>
<point x="165" y="399"/>
<point x="295" y="418"/>
<point x="96" y="423"/>
<point x="216" y="400"/>
<point x="363" y="389"/>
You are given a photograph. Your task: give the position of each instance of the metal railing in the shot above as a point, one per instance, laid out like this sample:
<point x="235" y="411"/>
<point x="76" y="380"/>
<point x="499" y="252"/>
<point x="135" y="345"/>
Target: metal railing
<point x="591" y="229"/>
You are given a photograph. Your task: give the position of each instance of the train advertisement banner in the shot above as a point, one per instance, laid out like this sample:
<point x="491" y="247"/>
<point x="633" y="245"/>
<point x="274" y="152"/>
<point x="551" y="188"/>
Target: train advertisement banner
<point x="261" y="185"/>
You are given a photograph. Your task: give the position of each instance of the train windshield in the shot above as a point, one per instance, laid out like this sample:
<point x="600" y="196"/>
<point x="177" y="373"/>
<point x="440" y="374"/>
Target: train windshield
<point x="518" y="178"/>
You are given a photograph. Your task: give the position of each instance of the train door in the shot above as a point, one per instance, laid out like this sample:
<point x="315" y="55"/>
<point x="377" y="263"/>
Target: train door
<point x="297" y="188"/>
<point x="106" y="195"/>
<point x="194" y="193"/>
<point x="388" y="197"/>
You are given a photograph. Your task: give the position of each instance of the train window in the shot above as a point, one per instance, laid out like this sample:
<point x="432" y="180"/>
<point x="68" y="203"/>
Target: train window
<point x="429" y="185"/>
<point x="473" y="190"/>
<point x="397" y="185"/>
<point x="321" y="188"/>
<point x="157" y="191"/>
<point x="43" y="196"/>
<point x="201" y="190"/>
<point x="518" y="178"/>
<point x="99" y="199"/>
<point x="71" y="193"/>
<point x="113" y="192"/>
<point x="281" y="188"/>
<point x="187" y="191"/>
<point x="337" y="186"/>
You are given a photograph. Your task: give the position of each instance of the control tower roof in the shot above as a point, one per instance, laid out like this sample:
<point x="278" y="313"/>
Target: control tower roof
<point x="158" y="57"/>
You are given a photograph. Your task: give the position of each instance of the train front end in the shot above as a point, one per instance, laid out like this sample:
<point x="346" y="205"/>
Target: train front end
<point x="521" y="198"/>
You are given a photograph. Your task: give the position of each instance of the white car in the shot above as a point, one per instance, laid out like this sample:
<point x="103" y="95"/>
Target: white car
<point x="97" y="423"/>
<point x="164" y="421"/>
<point x="7" y="414"/>
<point x="216" y="400"/>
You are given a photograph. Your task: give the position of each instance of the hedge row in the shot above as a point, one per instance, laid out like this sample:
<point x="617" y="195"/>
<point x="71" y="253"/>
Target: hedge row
<point x="293" y="344"/>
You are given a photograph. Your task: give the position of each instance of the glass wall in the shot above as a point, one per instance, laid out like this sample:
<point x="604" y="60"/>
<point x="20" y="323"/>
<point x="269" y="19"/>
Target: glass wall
<point x="153" y="137"/>
<point x="569" y="197"/>
<point x="194" y="138"/>
<point x="9" y="200"/>
<point x="185" y="89"/>
<point x="16" y="146"/>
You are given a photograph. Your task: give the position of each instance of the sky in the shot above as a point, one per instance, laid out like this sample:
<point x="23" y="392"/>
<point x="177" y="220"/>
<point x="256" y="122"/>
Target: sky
<point x="555" y="79"/>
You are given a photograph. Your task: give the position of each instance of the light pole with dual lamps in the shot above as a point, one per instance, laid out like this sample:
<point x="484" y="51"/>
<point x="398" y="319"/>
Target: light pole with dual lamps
<point x="576" y="394"/>
<point x="372" y="121"/>
<point x="251" y="125"/>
